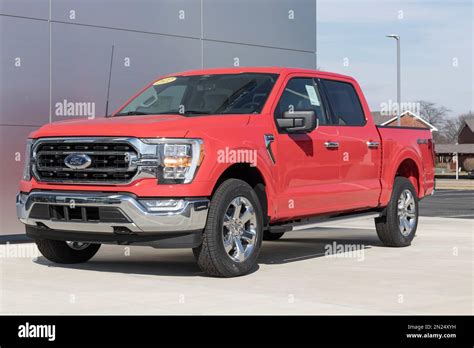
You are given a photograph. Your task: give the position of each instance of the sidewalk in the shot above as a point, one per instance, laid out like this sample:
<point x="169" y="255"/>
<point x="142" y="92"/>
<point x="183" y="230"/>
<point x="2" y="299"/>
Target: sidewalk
<point x="453" y="184"/>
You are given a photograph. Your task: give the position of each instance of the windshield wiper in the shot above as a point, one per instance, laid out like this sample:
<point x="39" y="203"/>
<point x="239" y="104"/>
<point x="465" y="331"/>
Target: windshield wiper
<point x="196" y="112"/>
<point x="131" y="113"/>
<point x="170" y="112"/>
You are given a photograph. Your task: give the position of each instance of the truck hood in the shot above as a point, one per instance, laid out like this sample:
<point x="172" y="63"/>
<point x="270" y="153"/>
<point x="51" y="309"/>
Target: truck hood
<point x="173" y="126"/>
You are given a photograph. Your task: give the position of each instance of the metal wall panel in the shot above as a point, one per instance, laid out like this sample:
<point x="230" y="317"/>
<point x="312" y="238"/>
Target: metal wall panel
<point x="174" y="17"/>
<point x="12" y="145"/>
<point x="24" y="66"/>
<point x="81" y="60"/>
<point x="218" y="54"/>
<point x="149" y="56"/>
<point x="277" y="23"/>
<point x="25" y="8"/>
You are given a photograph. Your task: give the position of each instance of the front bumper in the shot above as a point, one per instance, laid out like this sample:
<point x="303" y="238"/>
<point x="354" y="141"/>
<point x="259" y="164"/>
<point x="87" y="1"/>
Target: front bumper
<point x="134" y="219"/>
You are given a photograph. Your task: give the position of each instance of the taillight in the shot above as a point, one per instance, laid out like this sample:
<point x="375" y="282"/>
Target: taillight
<point x="431" y="147"/>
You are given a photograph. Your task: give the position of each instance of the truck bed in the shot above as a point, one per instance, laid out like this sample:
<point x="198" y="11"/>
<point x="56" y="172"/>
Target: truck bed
<point x="400" y="142"/>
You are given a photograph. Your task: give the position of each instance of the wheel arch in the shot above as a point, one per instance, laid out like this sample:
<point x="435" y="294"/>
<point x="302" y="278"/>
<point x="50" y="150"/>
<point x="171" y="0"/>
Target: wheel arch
<point x="255" y="177"/>
<point x="407" y="164"/>
<point x="408" y="168"/>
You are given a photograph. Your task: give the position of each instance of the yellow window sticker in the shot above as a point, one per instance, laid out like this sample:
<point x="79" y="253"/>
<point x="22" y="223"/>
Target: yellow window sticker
<point x="165" y="80"/>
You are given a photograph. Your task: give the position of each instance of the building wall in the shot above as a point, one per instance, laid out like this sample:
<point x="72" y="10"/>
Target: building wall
<point x="466" y="136"/>
<point x="56" y="50"/>
<point x="408" y="121"/>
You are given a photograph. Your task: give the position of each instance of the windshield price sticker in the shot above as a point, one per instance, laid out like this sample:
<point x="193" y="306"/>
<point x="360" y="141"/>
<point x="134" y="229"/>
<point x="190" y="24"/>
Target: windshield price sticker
<point x="313" y="97"/>
<point x="164" y="81"/>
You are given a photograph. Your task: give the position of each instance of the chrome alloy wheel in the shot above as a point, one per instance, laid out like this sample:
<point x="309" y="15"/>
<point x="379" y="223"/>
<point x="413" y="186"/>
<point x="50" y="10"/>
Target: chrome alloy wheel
<point x="406" y="212"/>
<point x="77" y="245"/>
<point x="239" y="230"/>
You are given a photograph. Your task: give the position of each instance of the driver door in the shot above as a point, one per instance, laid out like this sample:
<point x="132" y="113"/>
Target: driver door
<point x="307" y="164"/>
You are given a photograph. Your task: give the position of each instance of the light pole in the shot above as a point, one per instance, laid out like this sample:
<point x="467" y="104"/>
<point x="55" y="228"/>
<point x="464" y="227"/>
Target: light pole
<point x="399" y="97"/>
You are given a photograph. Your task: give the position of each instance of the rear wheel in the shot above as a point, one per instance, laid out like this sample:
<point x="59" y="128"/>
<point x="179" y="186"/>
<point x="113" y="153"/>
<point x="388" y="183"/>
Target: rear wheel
<point x="233" y="233"/>
<point x="66" y="252"/>
<point x="398" y="226"/>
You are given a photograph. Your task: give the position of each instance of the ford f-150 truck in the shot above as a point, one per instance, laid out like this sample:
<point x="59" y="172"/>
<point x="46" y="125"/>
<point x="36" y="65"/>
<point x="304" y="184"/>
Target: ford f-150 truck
<point x="218" y="160"/>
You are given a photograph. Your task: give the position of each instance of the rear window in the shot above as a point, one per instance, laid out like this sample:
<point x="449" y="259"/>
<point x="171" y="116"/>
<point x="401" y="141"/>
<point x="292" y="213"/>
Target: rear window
<point x="344" y="103"/>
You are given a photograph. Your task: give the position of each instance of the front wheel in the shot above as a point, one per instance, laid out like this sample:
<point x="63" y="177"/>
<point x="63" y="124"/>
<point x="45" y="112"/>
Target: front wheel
<point x="66" y="252"/>
<point x="398" y="226"/>
<point x="233" y="233"/>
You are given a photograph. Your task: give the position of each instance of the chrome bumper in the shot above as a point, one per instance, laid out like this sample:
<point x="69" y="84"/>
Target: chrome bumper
<point x="190" y="216"/>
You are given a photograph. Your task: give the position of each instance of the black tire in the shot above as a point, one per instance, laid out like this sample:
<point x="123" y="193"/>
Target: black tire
<point x="59" y="252"/>
<point x="272" y="236"/>
<point x="211" y="255"/>
<point x="387" y="226"/>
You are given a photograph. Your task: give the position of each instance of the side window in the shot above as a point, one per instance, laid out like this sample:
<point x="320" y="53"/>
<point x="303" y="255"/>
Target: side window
<point x="345" y="104"/>
<point x="301" y="94"/>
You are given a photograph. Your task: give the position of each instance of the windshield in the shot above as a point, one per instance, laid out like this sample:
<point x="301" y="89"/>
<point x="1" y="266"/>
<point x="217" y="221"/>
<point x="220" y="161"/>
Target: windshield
<point x="203" y="95"/>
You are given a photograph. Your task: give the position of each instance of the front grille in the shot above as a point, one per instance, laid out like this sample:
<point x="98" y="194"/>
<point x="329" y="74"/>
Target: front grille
<point x="77" y="214"/>
<point x="110" y="162"/>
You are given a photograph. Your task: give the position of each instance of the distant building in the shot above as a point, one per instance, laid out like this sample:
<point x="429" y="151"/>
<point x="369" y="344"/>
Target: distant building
<point x="409" y="119"/>
<point x="466" y="132"/>
<point x="463" y="149"/>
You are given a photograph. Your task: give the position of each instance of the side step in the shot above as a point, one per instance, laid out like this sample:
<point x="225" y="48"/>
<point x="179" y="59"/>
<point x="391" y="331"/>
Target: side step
<point x="320" y="221"/>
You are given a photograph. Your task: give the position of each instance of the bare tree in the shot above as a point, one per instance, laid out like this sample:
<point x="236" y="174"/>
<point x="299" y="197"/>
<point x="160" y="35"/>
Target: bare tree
<point x="467" y="115"/>
<point x="434" y="114"/>
<point x="438" y="116"/>
<point x="452" y="127"/>
<point x="450" y="130"/>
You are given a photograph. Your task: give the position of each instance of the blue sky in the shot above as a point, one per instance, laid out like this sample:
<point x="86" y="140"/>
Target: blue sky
<point x="435" y="35"/>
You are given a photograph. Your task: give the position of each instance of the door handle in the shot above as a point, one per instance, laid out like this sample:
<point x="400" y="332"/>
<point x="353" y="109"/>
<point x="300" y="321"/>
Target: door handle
<point x="331" y="144"/>
<point x="373" y="144"/>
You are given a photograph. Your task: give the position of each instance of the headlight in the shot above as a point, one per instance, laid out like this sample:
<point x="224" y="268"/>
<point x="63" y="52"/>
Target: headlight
<point x="27" y="166"/>
<point x="179" y="159"/>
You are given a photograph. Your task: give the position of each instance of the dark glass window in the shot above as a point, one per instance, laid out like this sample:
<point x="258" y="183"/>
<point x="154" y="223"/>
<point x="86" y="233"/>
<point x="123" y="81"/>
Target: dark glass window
<point x="345" y="104"/>
<point x="301" y="94"/>
<point x="204" y="95"/>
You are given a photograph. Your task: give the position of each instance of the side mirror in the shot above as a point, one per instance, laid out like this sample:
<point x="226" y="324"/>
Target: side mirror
<point x="298" y="121"/>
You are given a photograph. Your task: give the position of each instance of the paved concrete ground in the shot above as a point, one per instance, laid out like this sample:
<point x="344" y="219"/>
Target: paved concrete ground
<point x="294" y="276"/>
<point x="449" y="203"/>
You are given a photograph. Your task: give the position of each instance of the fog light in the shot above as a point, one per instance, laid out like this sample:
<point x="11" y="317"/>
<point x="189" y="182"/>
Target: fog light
<point x="21" y="198"/>
<point x="162" y="204"/>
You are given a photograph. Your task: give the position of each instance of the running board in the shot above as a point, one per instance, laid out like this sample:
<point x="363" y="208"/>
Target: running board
<point x="323" y="220"/>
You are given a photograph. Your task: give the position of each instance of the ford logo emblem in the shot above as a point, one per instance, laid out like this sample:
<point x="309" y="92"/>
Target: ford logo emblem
<point x="78" y="161"/>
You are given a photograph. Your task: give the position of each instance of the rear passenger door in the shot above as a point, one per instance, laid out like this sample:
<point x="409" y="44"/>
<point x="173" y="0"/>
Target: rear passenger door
<point x="359" y="144"/>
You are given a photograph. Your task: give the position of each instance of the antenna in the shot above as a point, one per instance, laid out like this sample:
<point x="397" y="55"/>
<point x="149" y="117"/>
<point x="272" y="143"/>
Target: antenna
<point x="108" y="86"/>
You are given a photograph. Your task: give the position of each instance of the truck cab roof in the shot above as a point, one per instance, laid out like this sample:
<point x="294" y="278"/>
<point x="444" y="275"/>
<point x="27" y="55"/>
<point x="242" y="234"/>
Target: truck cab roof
<point x="260" y="69"/>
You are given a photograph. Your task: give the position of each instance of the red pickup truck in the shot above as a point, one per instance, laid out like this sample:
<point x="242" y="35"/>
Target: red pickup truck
<point x="218" y="160"/>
